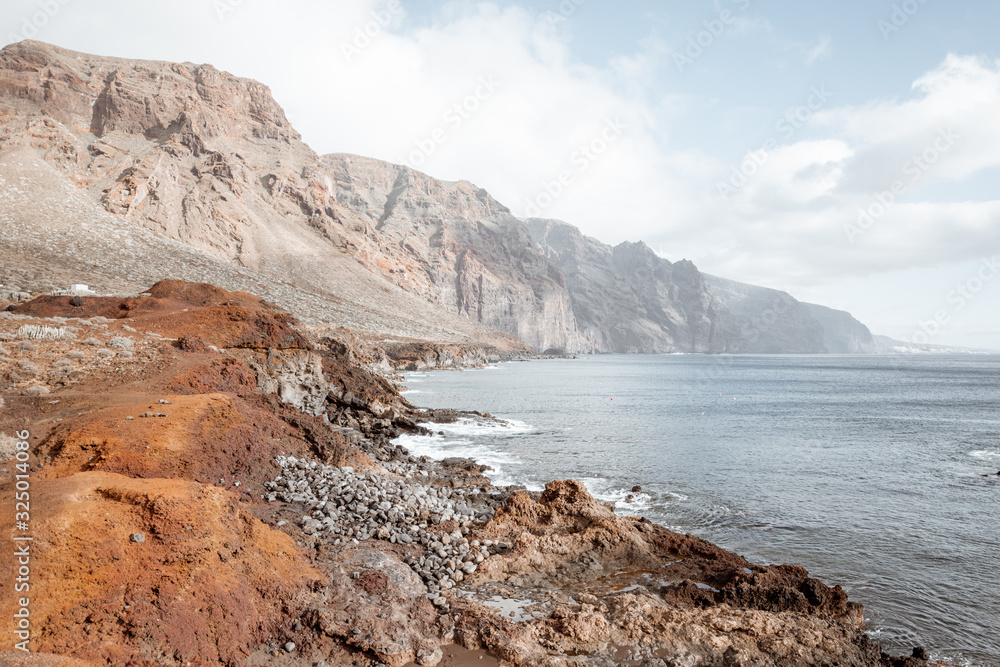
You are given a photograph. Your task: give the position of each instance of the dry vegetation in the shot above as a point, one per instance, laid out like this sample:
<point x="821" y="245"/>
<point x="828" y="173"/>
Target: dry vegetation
<point x="47" y="354"/>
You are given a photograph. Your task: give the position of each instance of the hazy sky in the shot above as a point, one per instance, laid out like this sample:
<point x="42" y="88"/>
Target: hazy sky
<point x="848" y="151"/>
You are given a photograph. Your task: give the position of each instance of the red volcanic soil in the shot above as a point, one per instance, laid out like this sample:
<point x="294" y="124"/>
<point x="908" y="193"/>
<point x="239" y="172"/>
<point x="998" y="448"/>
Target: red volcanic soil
<point x="198" y="313"/>
<point x="208" y="580"/>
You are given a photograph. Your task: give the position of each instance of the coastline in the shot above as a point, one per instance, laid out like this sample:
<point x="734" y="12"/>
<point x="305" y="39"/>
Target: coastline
<point x="230" y="462"/>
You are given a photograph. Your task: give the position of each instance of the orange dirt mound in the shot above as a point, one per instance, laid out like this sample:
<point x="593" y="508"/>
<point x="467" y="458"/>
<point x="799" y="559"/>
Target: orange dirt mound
<point x="215" y="438"/>
<point x="205" y="578"/>
<point x="178" y="309"/>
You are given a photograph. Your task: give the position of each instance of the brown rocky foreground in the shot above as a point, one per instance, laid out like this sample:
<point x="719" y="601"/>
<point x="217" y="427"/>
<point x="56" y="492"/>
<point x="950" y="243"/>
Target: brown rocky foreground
<point x="212" y="485"/>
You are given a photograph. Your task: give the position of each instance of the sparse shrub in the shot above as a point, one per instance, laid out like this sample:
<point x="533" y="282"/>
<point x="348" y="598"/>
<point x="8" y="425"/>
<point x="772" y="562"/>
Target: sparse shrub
<point x="27" y="367"/>
<point x="40" y="332"/>
<point x="105" y="353"/>
<point x="3" y="351"/>
<point x="8" y="447"/>
<point x="25" y="346"/>
<point x="75" y="354"/>
<point x="120" y="342"/>
<point x="125" y="354"/>
<point x="93" y="341"/>
<point x="36" y="390"/>
<point x="128" y="328"/>
<point x="62" y="363"/>
<point x="2" y="402"/>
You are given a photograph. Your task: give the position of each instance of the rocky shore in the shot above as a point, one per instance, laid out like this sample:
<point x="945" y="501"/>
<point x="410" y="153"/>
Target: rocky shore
<point x="260" y="514"/>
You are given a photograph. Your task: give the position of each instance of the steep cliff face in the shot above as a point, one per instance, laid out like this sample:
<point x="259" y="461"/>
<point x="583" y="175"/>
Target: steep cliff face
<point x="628" y="299"/>
<point x="120" y="173"/>
<point x="207" y="159"/>
<point x="842" y="334"/>
<point x="456" y="246"/>
<point x="773" y="322"/>
<point x="148" y="153"/>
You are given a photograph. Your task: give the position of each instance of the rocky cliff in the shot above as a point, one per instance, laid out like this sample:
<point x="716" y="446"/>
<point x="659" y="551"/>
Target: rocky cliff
<point x="208" y="160"/>
<point x="773" y="322"/>
<point x="460" y="249"/>
<point x="628" y="299"/>
<point x="842" y="333"/>
<point x="119" y="173"/>
<point x="770" y="321"/>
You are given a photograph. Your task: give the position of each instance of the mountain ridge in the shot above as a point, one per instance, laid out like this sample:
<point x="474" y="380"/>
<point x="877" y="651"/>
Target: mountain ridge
<point x="151" y="154"/>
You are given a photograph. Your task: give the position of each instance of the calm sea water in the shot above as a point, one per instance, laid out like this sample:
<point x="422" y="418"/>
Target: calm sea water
<point x="865" y="470"/>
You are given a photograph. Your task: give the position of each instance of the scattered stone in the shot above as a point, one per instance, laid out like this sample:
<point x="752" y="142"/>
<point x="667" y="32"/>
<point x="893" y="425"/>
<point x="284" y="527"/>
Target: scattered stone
<point x="344" y="506"/>
<point x="138" y="538"/>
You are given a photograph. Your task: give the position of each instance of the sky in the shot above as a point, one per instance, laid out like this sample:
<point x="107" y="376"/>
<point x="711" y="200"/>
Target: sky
<point x="847" y="152"/>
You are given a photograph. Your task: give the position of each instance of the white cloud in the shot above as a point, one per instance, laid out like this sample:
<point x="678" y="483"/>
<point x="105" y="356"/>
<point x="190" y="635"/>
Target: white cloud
<point x="822" y="49"/>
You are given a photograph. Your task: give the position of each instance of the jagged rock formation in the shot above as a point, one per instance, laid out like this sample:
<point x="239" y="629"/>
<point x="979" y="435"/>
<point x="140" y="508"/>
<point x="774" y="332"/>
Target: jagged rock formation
<point x="628" y="299"/>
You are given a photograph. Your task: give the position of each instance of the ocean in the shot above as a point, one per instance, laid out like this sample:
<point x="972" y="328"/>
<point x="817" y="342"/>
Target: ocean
<point x="865" y="470"/>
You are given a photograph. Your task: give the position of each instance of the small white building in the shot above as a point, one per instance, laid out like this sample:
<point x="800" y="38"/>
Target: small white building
<point x="80" y="288"/>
